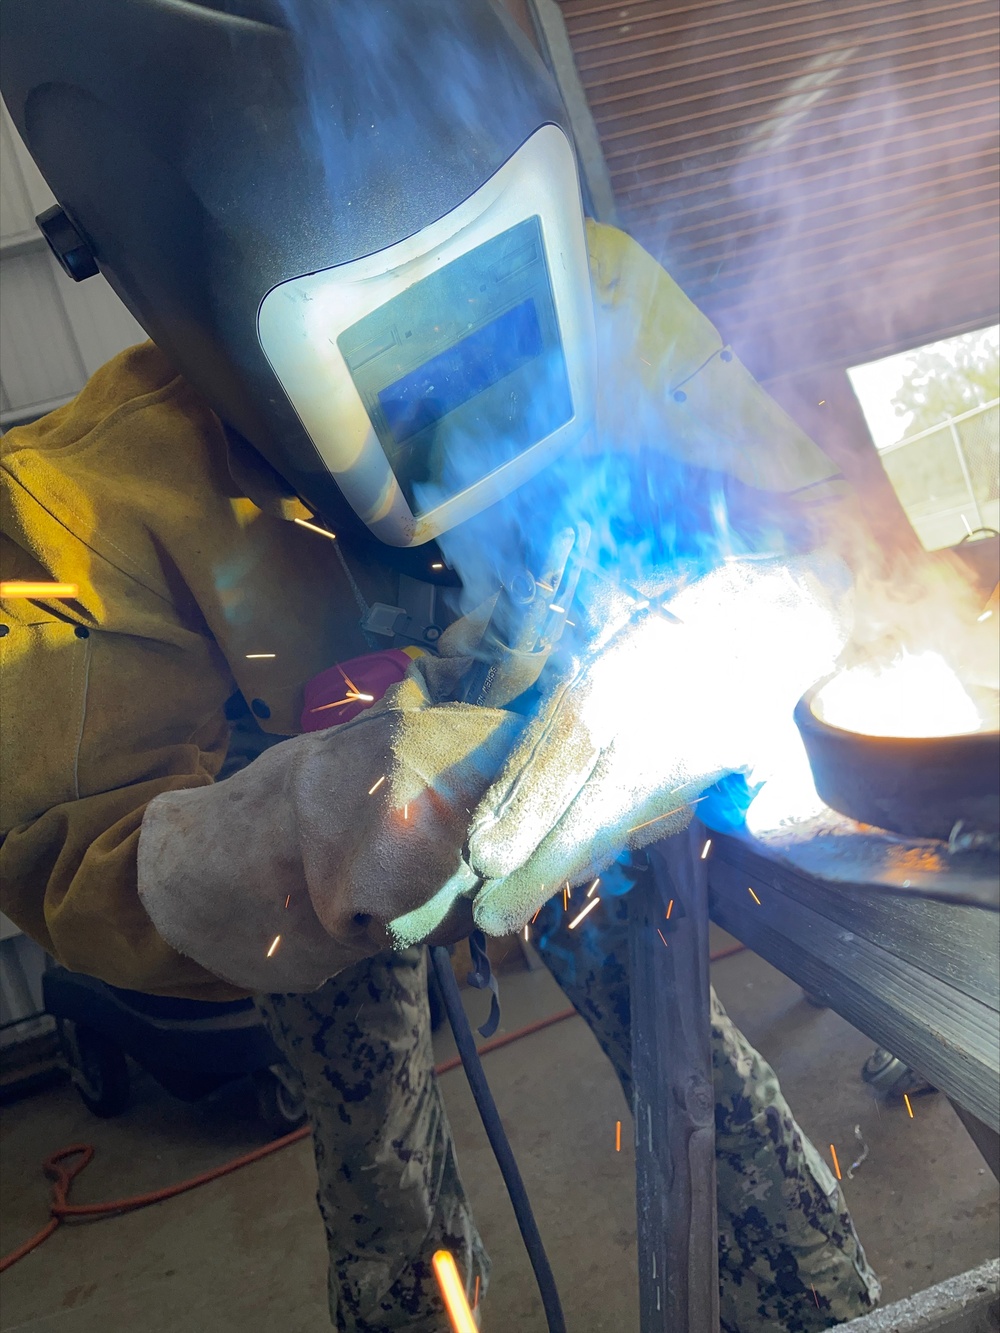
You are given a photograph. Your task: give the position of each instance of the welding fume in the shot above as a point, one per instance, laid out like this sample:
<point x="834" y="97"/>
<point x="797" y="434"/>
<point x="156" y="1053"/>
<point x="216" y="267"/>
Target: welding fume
<point x="433" y="557"/>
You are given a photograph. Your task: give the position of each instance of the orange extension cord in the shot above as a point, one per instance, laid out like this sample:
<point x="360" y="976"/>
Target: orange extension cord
<point x="62" y="1176"/>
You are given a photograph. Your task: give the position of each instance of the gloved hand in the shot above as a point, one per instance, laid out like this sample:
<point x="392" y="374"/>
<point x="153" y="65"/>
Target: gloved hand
<point x="327" y="837"/>
<point x="654" y="713"/>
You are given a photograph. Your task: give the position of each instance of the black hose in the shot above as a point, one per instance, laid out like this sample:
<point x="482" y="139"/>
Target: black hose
<point x="502" y="1151"/>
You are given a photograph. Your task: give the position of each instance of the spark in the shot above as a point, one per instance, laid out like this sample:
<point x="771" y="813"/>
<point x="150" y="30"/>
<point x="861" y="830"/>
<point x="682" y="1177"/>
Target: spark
<point x="675" y="811"/>
<point x="618" y="1136"/>
<point x="571" y="622"/>
<point x="377" y="785"/>
<point x="287" y="901"/>
<point x="475" y="1298"/>
<point x="437" y="565"/>
<point x="453" y="1293"/>
<point x="836" y="1164"/>
<point x="252" y="656"/>
<point x="560" y="609"/>
<point x="526" y="932"/>
<point x="670" y="908"/>
<point x="644" y="361"/>
<point x="821" y="402"/>
<point x="314" y="527"/>
<point x="589" y="908"/>
<point x="406" y="812"/>
<point x="590" y="891"/>
<point x="20" y="588"/>
<point x="985" y="616"/>
<point x="753" y="895"/>
<point x="565" y="900"/>
<point x="569" y="889"/>
<point x="352" y="689"/>
<point x="811" y="1287"/>
<point x="535" y="917"/>
<point x="274" y="944"/>
<point x="706" y="849"/>
<point x="662" y="937"/>
<point x="909" y="1108"/>
<point x="353" y="695"/>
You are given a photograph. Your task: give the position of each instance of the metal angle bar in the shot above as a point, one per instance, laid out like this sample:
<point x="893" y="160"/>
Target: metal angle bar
<point x="674" y="1101"/>
<point x="952" y="1039"/>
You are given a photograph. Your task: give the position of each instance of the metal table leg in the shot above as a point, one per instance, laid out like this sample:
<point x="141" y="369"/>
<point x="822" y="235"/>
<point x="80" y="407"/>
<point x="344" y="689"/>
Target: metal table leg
<point x="674" y="1101"/>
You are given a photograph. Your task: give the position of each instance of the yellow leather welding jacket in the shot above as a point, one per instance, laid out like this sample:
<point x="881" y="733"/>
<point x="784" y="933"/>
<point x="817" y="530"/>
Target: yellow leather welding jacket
<point x="117" y="694"/>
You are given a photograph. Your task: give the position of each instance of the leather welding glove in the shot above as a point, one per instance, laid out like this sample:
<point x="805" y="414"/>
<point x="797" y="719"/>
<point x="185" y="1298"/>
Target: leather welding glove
<point x="656" y="711"/>
<point x="291" y="870"/>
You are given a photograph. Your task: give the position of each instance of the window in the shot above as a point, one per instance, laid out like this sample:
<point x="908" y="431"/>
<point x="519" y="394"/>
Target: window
<point x="934" y="414"/>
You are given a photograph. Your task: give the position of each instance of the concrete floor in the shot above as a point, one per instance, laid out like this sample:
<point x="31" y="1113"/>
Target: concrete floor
<point x="245" y="1254"/>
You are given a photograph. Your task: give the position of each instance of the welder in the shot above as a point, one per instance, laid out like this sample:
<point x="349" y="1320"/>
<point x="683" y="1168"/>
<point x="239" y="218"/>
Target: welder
<point x="354" y="235"/>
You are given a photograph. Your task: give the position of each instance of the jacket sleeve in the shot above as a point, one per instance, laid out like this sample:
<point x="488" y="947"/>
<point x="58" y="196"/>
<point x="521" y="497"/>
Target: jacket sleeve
<point x="110" y="698"/>
<point x="186" y="592"/>
<point x="666" y="375"/>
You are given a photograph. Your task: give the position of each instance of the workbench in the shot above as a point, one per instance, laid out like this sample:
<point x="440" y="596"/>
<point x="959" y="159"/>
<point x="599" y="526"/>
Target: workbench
<point x="900" y="937"/>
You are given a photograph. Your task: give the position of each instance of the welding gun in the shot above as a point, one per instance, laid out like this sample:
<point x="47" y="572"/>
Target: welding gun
<point x="526" y="624"/>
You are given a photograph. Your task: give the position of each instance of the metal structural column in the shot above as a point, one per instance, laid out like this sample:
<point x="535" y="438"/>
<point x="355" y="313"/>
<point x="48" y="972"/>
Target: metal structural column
<point x="674" y="1103"/>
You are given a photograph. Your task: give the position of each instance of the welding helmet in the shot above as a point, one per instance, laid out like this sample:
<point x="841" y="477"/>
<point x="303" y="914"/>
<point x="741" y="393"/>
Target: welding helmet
<point x="354" y="226"/>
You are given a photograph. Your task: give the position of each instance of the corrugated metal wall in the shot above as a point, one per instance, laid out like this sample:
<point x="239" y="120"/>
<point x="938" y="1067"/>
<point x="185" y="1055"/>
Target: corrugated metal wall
<point x="53" y="332"/>
<point x="820" y="178"/>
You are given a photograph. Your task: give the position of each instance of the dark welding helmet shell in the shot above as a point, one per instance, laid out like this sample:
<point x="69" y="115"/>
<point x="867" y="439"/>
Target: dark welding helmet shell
<point x="203" y="153"/>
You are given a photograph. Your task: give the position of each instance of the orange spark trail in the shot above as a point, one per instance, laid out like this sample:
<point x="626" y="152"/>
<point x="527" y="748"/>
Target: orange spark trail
<point x="753" y="895"/>
<point x="676" y="810"/>
<point x="618" y="1136"/>
<point x="836" y="1164"/>
<point x="453" y="1293"/>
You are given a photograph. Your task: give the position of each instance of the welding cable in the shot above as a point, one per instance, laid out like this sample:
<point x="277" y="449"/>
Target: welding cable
<point x="63" y="1176"/>
<point x="502" y="1150"/>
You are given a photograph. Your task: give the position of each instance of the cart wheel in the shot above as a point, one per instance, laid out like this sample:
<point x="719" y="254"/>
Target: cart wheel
<point x="280" y="1101"/>
<point x="98" y="1068"/>
<point x="892" y="1077"/>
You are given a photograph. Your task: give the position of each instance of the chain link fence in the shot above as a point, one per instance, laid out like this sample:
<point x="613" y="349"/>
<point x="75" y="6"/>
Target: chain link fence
<point x="948" y="477"/>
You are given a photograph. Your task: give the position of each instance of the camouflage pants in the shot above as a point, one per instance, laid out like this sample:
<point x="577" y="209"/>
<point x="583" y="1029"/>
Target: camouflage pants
<point x="389" y="1188"/>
